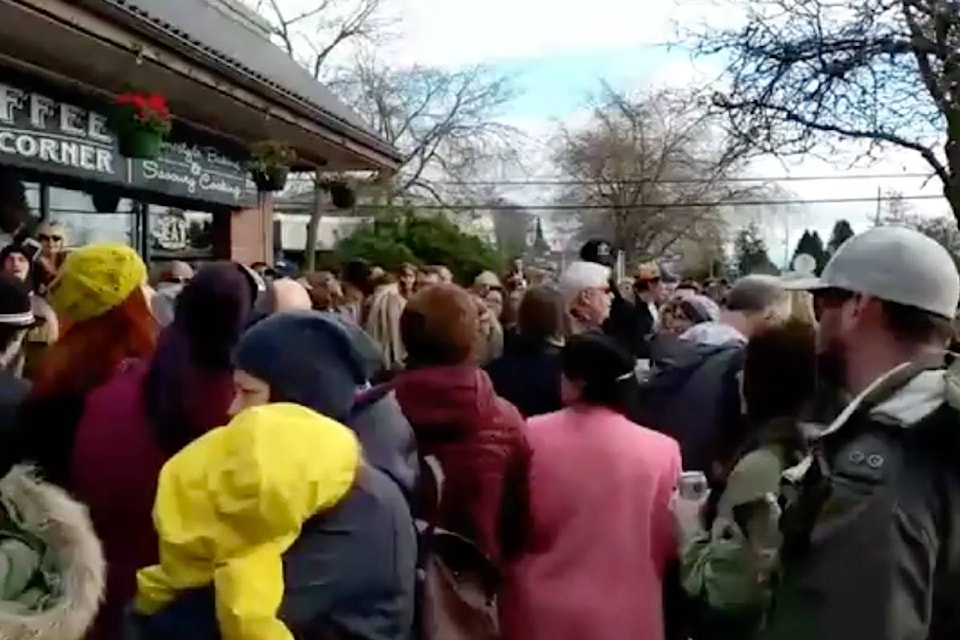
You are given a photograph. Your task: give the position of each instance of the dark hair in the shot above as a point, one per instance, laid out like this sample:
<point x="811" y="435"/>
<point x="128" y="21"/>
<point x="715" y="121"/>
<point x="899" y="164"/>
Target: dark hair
<point x="189" y="383"/>
<point x="690" y="284"/>
<point x="357" y="273"/>
<point x="779" y="375"/>
<point x="916" y="326"/>
<point x="541" y="314"/>
<point x="605" y="370"/>
<point x="779" y="371"/>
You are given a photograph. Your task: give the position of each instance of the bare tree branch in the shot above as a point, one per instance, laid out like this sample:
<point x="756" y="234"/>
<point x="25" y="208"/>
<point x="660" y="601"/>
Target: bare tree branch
<point x="652" y="159"/>
<point x="444" y="122"/>
<point x="805" y="74"/>
<point x="311" y="35"/>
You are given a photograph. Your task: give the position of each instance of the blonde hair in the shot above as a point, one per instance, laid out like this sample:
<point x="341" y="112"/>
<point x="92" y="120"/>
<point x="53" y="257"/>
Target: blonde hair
<point x="801" y="308"/>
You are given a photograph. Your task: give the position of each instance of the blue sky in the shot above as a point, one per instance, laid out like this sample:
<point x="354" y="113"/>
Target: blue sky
<point x="559" y="50"/>
<point x="557" y="85"/>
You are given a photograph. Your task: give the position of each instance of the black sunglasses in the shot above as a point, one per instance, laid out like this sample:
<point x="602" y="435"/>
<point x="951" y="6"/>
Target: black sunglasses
<point x="43" y="237"/>
<point x="831" y="298"/>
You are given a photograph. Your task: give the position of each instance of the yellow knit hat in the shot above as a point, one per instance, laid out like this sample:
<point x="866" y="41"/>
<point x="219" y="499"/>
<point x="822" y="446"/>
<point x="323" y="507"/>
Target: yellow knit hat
<point x="94" y="279"/>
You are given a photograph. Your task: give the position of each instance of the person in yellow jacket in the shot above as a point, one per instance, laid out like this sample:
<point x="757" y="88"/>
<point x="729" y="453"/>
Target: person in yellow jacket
<point x="230" y="508"/>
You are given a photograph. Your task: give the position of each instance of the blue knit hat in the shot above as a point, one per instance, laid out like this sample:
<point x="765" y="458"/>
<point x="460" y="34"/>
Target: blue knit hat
<point x="307" y="358"/>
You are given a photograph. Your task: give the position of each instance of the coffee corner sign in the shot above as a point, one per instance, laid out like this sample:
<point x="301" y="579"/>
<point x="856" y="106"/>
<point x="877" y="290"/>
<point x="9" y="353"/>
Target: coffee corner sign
<point x="41" y="133"/>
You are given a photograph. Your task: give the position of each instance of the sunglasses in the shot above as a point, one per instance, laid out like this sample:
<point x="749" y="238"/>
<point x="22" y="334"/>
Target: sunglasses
<point x="43" y="237"/>
<point x="826" y="299"/>
<point x="176" y="280"/>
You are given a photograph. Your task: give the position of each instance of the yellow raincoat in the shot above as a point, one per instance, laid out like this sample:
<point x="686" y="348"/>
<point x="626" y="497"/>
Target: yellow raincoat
<point x="232" y="502"/>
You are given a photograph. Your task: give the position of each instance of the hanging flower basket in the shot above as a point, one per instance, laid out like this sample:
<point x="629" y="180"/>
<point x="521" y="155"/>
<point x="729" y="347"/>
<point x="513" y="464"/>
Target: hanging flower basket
<point x="269" y="165"/>
<point x="341" y="195"/>
<point x="271" y="179"/>
<point x="141" y="122"/>
<point x="105" y="200"/>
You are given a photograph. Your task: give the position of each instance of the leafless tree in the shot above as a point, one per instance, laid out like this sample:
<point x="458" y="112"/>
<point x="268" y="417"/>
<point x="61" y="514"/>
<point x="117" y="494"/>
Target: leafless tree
<point x="648" y="170"/>
<point x="806" y="73"/>
<point x="444" y="122"/>
<point x="311" y="31"/>
<point x="896" y="210"/>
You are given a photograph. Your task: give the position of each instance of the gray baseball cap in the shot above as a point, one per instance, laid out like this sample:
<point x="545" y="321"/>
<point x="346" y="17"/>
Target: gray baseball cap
<point x="896" y="264"/>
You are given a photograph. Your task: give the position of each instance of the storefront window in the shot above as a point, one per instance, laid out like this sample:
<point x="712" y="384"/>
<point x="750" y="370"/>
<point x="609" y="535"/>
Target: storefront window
<point x="77" y="212"/>
<point x="32" y="191"/>
<point x="175" y="232"/>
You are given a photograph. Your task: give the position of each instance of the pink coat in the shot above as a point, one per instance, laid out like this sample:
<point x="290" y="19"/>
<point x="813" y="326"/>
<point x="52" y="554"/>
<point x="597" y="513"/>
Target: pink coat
<point x="600" y="531"/>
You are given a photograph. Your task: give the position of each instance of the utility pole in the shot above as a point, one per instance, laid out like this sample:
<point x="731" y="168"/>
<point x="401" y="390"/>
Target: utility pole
<point x="876" y="219"/>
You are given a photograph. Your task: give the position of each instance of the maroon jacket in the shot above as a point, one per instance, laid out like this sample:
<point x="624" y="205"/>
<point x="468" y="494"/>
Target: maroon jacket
<point x="116" y="462"/>
<point x="479" y="440"/>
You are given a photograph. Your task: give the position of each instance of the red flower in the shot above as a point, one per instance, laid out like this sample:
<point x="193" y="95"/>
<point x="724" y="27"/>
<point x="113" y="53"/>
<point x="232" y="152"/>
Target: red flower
<point x="145" y="110"/>
<point x="157" y="102"/>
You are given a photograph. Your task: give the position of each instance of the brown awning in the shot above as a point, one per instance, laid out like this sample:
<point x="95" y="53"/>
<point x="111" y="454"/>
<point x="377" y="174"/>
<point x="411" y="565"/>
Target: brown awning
<point x="216" y="72"/>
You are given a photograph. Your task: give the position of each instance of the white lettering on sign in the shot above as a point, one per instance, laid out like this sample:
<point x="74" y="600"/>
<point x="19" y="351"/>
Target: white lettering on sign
<point x="98" y="129"/>
<point x="72" y="121"/>
<point x="11" y="100"/>
<point x="153" y="171"/>
<point x="41" y="108"/>
<point x="213" y="183"/>
<point x="193" y="177"/>
<point x="75" y="154"/>
<point x="46" y="114"/>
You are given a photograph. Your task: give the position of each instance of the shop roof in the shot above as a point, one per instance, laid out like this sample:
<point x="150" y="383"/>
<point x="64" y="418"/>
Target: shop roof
<point x="212" y="33"/>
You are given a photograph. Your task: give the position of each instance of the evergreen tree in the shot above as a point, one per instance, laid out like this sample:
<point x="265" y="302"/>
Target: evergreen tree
<point x="811" y="244"/>
<point x="842" y="231"/>
<point x="819" y="251"/>
<point x="751" y="252"/>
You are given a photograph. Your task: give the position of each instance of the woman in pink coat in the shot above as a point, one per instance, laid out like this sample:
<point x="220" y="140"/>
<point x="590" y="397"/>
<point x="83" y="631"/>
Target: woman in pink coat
<point x="600" y="530"/>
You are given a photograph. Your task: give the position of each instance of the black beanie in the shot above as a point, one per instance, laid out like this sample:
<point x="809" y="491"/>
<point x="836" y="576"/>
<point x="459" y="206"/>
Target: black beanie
<point x="15" y="248"/>
<point x="307" y="358"/>
<point x="16" y="309"/>
<point x="599" y="252"/>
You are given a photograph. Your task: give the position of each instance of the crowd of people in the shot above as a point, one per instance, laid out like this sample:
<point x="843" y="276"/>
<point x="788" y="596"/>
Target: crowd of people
<point x="232" y="452"/>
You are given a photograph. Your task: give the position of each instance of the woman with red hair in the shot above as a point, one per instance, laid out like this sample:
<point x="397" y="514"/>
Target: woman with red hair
<point x="100" y="297"/>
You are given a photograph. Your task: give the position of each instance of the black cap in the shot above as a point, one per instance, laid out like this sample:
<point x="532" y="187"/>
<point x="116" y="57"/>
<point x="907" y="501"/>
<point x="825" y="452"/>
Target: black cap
<point x="16" y="309"/>
<point x="599" y="252"/>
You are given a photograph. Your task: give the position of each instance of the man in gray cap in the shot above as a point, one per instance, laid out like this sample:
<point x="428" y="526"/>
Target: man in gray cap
<point x="871" y="525"/>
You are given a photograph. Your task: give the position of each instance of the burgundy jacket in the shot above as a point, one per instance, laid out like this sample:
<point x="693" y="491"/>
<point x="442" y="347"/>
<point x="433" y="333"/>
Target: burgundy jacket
<point x="479" y="441"/>
<point x="116" y="461"/>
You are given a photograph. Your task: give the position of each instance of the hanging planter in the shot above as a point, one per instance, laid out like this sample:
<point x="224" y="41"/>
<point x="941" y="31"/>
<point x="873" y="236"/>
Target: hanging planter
<point x="272" y="179"/>
<point x="105" y="200"/>
<point x="269" y="165"/>
<point x="341" y="195"/>
<point x="141" y="122"/>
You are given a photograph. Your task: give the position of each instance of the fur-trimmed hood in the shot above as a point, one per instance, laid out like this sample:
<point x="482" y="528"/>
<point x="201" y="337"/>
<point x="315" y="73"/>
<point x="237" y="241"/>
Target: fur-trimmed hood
<point x="64" y="526"/>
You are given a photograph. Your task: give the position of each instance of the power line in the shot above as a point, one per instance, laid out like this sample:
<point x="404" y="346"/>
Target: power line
<point x="560" y="181"/>
<point x="666" y="205"/>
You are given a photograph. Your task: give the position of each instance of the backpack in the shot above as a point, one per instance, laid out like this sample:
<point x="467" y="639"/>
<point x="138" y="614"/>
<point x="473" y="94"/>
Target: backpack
<point x="456" y="581"/>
